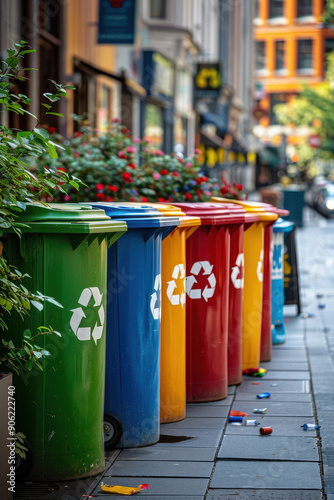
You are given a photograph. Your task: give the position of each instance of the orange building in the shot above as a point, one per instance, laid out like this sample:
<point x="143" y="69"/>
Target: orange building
<point x="290" y="46"/>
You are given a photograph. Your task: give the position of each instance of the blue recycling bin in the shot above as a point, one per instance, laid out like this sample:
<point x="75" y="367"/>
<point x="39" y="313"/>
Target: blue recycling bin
<point x="280" y="228"/>
<point x="133" y="322"/>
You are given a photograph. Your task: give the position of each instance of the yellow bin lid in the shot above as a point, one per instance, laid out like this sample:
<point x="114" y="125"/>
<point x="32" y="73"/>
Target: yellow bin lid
<point x="249" y="206"/>
<point x="172" y="211"/>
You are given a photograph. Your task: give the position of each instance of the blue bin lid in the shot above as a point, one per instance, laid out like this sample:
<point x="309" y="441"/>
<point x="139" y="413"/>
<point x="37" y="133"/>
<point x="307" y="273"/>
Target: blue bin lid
<point x="283" y="226"/>
<point x="136" y="215"/>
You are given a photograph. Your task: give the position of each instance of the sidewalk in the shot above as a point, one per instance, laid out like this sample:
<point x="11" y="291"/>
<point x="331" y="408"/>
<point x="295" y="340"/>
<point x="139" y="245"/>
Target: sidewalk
<point x="206" y="457"/>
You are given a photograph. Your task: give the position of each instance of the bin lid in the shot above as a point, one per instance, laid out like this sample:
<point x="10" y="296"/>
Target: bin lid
<point x="250" y="206"/>
<point x="174" y="211"/>
<point x="136" y="215"/>
<point x="283" y="226"/>
<point x="214" y="213"/>
<point x="67" y="218"/>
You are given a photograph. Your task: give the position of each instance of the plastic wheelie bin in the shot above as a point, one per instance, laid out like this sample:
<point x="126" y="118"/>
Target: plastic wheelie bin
<point x="207" y="286"/>
<point x="256" y="274"/>
<point x="133" y="325"/>
<point x="60" y="409"/>
<point x="281" y="227"/>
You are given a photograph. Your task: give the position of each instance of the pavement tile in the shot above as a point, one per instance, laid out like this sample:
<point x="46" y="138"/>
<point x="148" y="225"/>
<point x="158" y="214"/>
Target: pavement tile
<point x="282" y="426"/>
<point x="195" y="423"/>
<point x="283" y="396"/>
<point x="282" y="365"/>
<point x="231" y="389"/>
<point x="199" y="438"/>
<point x="296" y="386"/>
<point x="269" y="447"/>
<point x="275" y="408"/>
<point x="264" y="495"/>
<point x="169" y="453"/>
<point x="264" y="475"/>
<point x="289" y="355"/>
<point x="283" y="375"/>
<point x="202" y="410"/>
<point x="160" y="468"/>
<point x="221" y="402"/>
<point x="159" y="486"/>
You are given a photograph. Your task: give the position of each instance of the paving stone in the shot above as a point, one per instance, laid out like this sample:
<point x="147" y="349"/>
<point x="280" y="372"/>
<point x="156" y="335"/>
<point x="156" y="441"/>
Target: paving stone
<point x="160" y="468"/>
<point x="194" y="438"/>
<point x="278" y="396"/>
<point x="296" y="344"/>
<point x="221" y="402"/>
<point x="275" y="408"/>
<point x="191" y="488"/>
<point x="288" y="365"/>
<point x="264" y="495"/>
<point x="289" y="355"/>
<point x="169" y="453"/>
<point x="297" y="386"/>
<point x="283" y="375"/>
<point x="196" y="423"/>
<point x="269" y="447"/>
<point x="264" y="475"/>
<point x="202" y="410"/>
<point x="231" y="389"/>
<point x="282" y="426"/>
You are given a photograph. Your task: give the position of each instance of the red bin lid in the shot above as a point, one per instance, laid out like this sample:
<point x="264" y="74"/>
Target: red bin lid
<point x="214" y="213"/>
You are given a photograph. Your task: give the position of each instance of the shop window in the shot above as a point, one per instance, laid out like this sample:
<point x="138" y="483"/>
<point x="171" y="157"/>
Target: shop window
<point x="154" y="131"/>
<point x="158" y="9"/>
<point x="304" y="8"/>
<point x="260" y="56"/>
<point x="305" y="56"/>
<point x="103" y="117"/>
<point x="275" y="99"/>
<point x="180" y="134"/>
<point x="276" y="8"/>
<point x="279" y="55"/>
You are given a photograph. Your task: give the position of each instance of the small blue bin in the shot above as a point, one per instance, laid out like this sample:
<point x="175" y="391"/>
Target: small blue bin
<point x="133" y="321"/>
<point x="280" y="228"/>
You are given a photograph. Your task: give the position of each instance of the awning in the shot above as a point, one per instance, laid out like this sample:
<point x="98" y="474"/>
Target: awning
<point x="216" y="120"/>
<point x="211" y="141"/>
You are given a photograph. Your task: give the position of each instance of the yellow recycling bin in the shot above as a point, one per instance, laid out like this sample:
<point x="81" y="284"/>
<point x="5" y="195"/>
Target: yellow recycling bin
<point x="253" y="279"/>
<point x="173" y="315"/>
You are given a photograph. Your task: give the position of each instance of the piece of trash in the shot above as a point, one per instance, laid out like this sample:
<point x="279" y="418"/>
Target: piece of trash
<point x="319" y="296"/>
<point x="260" y="410"/>
<point x="250" y="422"/>
<point x="255" y="383"/>
<point x="235" y="419"/>
<point x="236" y="423"/>
<point x="264" y="395"/>
<point x="254" y="372"/>
<point x="321" y="306"/>
<point x="273" y="385"/>
<point x="123" y="490"/>
<point x="311" y="427"/>
<point x="265" y="430"/>
<point x="307" y="315"/>
<point x="234" y="413"/>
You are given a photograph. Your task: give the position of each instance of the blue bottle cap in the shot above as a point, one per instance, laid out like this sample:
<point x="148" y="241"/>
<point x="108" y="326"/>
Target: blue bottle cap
<point x="263" y="395"/>
<point x="235" y="419"/>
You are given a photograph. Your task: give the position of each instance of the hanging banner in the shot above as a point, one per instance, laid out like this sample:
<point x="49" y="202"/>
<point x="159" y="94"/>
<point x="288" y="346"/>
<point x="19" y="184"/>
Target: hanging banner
<point x="116" y="21"/>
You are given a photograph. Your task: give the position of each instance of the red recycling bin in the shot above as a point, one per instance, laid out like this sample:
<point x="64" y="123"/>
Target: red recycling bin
<point x="207" y="287"/>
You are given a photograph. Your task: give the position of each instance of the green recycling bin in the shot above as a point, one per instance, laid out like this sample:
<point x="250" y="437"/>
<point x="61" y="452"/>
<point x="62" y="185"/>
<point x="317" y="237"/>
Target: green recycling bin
<point x="60" y="409"/>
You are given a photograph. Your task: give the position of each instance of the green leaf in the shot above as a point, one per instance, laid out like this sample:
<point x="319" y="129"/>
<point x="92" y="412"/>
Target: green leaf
<point x="51" y="97"/>
<point x="11" y="345"/>
<point x="52" y="151"/>
<point x="57" y="333"/>
<point x="38" y="305"/>
<point x="70" y="87"/>
<point x="55" y="114"/>
<point x="42" y="132"/>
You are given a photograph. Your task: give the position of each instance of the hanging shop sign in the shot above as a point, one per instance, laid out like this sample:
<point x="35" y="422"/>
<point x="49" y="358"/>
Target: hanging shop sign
<point x="116" y="22"/>
<point x="207" y="81"/>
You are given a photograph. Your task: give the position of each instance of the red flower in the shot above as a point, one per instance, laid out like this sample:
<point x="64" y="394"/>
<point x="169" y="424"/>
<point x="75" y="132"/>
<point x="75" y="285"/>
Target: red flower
<point x="197" y="151"/>
<point x="132" y="198"/>
<point x="204" y="179"/>
<point x="240" y="187"/>
<point x="224" y="190"/>
<point x="143" y="199"/>
<point x="113" y="189"/>
<point x="109" y="198"/>
<point x="76" y="154"/>
<point x="125" y="130"/>
<point x="78" y="134"/>
<point x="234" y="184"/>
<point x="61" y="169"/>
<point x="164" y="172"/>
<point x="199" y="192"/>
<point x="100" y="197"/>
<point x="161" y="200"/>
<point x="225" y="182"/>
<point x="132" y="165"/>
<point x="199" y="180"/>
<point x="99" y="187"/>
<point x="121" y="154"/>
<point x="126" y="177"/>
<point x="176" y="174"/>
<point x="52" y="130"/>
<point x="189" y="196"/>
<point x="115" y="120"/>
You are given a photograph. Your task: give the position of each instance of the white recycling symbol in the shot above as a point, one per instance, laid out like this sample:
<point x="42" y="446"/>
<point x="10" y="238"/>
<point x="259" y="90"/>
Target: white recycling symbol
<point x="176" y="299"/>
<point x="85" y="333"/>
<point x="197" y="293"/>
<point x="237" y="271"/>
<point x="156" y="311"/>
<point x="259" y="270"/>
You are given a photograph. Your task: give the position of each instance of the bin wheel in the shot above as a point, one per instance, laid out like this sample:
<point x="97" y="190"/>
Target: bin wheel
<point x="112" y="429"/>
<point x="22" y="465"/>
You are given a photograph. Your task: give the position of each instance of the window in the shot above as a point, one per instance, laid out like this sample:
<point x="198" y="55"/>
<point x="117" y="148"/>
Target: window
<point x="280" y="53"/>
<point x="154" y="125"/>
<point x="260" y="55"/>
<point x="256" y="10"/>
<point x="274" y="100"/>
<point x="304" y="8"/>
<point x="158" y="9"/>
<point x="329" y="47"/>
<point x="305" y="56"/>
<point x="276" y="8"/>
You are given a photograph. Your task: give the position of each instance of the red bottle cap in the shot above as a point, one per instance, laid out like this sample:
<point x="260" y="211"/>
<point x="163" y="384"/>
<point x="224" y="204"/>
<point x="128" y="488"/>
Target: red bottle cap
<point x="266" y="430"/>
